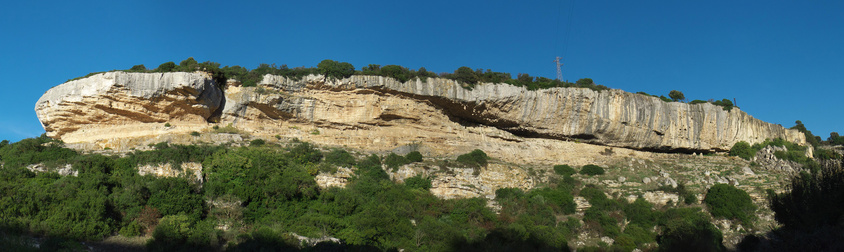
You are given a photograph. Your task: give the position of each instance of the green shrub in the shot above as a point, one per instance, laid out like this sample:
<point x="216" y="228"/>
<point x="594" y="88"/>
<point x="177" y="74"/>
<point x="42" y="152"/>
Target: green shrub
<point x="560" y="199"/>
<point x="697" y="102"/>
<point x="414" y="156"/>
<point x="334" y="69"/>
<point x="418" y="182"/>
<point x="563" y="170"/>
<point x="730" y="202"/>
<point x="676" y="95"/>
<point x="257" y="142"/>
<point x="393" y="161"/>
<point x="303" y="153"/>
<point x="340" y="157"/>
<point x="743" y="150"/>
<point x="726" y="104"/>
<point x="665" y="99"/>
<point x="815" y="200"/>
<point x="194" y="133"/>
<point x="598" y="199"/>
<point x="591" y="170"/>
<point x="689" y="229"/>
<point x="166" y="67"/>
<point x="640" y="212"/>
<point x="167" y="125"/>
<point x="140" y="68"/>
<point x="131" y="230"/>
<point x="476" y="158"/>
<point x="509" y="193"/>
<point x="607" y="224"/>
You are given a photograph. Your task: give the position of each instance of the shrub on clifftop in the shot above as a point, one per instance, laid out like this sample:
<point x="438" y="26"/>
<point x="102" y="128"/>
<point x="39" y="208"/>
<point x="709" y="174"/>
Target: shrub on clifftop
<point x="335" y="69"/>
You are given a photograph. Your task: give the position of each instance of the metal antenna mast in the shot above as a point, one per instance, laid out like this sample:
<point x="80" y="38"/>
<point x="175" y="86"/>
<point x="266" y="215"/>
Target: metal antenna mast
<point x="559" y="70"/>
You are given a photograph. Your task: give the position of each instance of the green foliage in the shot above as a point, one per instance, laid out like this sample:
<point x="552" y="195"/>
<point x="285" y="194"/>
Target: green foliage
<point x="641" y="213"/>
<point x="559" y="199"/>
<point x="810" y="138"/>
<point x="564" y="170"/>
<point x="591" y="170"/>
<point x="334" y="69"/>
<point x="466" y="76"/>
<point x="598" y="199"/>
<point x="607" y="225"/>
<point x="139" y="68"/>
<point x="414" y="156"/>
<point x="303" y="153"/>
<point x="730" y="202"/>
<point x="726" y="104"/>
<point x="194" y="133"/>
<point x="167" y="125"/>
<point x="418" y="182"/>
<point x="257" y="142"/>
<point x="815" y="200"/>
<point x="697" y="102"/>
<point x="665" y="99"/>
<point x="181" y="233"/>
<point x="584" y="82"/>
<point x="340" y="157"/>
<point x="835" y="139"/>
<point x="689" y="229"/>
<point x="676" y="95"/>
<point x="166" y="67"/>
<point x="399" y="73"/>
<point x="393" y="161"/>
<point x="131" y="230"/>
<point x="743" y="150"/>
<point x="476" y="158"/>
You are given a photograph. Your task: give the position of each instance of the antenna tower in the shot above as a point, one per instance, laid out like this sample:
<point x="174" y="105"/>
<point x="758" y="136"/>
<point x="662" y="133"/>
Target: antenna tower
<point x="559" y="70"/>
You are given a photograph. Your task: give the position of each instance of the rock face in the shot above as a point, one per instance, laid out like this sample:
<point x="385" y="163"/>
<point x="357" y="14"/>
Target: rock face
<point x="103" y="104"/>
<point x="379" y="113"/>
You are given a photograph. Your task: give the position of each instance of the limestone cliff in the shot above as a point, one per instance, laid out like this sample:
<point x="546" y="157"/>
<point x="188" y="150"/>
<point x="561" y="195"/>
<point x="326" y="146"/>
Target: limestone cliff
<point x="378" y="113"/>
<point x="109" y="104"/>
<point x="612" y="118"/>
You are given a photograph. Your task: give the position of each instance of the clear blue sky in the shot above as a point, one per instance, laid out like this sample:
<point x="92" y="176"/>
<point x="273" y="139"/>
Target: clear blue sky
<point x="781" y="60"/>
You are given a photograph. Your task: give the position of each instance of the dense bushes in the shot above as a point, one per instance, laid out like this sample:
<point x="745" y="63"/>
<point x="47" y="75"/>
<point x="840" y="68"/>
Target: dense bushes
<point x="338" y="70"/>
<point x="689" y="229"/>
<point x="730" y="202"/>
<point x="334" y="69"/>
<point x="815" y="200"/>
<point x="563" y="170"/>
<point x="263" y="193"/>
<point x="743" y="150"/>
<point x="591" y="170"/>
<point x="476" y="158"/>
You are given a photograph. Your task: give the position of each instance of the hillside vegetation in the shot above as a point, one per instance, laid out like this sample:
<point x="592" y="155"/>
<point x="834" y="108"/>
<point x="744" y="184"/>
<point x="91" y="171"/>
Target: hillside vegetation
<point x="264" y="196"/>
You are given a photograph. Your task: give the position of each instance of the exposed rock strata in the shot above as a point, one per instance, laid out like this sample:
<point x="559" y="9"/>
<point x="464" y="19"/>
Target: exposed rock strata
<point x="106" y="103"/>
<point x="378" y="113"/>
<point x="613" y="118"/>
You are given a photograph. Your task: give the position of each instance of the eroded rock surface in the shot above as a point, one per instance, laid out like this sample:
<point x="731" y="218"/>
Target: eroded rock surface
<point x="124" y="105"/>
<point x="378" y="114"/>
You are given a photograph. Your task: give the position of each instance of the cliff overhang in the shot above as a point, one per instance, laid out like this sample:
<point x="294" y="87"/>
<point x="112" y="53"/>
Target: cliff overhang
<point x="382" y="113"/>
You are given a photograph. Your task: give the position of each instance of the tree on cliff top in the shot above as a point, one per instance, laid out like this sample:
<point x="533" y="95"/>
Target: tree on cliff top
<point x="676" y="95"/>
<point x="335" y="69"/>
<point x="810" y="138"/>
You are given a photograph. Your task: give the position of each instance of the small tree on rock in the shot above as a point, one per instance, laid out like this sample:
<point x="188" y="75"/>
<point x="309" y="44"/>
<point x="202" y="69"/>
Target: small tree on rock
<point x="676" y="95"/>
